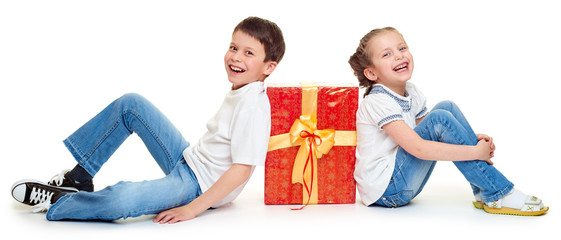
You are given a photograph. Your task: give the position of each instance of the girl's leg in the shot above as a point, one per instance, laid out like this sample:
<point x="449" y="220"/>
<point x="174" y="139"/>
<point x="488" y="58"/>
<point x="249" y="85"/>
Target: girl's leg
<point x="457" y="113"/>
<point x="450" y="126"/>
<point x="408" y="179"/>
<point x="93" y="143"/>
<point x="128" y="199"/>
<point x="445" y="123"/>
<point x="490" y="184"/>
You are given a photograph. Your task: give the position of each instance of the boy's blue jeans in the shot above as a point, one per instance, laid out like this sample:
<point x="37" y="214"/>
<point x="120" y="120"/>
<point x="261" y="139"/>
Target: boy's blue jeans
<point x="445" y="123"/>
<point x="93" y="144"/>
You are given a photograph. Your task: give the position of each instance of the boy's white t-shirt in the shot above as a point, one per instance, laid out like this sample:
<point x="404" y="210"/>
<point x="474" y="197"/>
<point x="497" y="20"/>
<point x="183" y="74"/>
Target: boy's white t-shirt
<point x="376" y="150"/>
<point x="238" y="133"/>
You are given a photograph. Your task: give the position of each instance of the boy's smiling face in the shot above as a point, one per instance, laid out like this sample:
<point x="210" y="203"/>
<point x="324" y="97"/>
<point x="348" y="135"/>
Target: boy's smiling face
<point x="244" y="60"/>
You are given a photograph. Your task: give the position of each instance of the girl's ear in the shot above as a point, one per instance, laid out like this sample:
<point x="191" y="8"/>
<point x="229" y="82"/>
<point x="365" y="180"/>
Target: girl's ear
<point x="371" y="75"/>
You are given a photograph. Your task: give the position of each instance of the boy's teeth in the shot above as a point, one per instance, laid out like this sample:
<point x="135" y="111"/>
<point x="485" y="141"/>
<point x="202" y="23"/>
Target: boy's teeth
<point x="236" y="69"/>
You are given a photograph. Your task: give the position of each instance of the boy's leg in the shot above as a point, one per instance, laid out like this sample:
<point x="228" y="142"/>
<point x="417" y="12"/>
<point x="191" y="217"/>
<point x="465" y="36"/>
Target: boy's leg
<point x="98" y="139"/>
<point x="129" y="199"/>
<point x="93" y="143"/>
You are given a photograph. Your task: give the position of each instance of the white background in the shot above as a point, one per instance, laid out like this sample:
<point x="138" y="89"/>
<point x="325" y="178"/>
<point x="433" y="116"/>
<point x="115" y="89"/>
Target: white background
<point x="63" y="61"/>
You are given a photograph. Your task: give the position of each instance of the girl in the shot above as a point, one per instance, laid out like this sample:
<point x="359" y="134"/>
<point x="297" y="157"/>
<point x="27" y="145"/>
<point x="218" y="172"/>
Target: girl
<point x="399" y="141"/>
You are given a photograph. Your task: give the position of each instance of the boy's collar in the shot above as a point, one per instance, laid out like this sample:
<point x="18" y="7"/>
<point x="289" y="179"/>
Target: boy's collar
<point x="262" y="83"/>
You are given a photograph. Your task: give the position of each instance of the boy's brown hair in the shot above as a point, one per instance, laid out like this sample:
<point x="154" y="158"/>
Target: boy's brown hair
<point x="267" y="33"/>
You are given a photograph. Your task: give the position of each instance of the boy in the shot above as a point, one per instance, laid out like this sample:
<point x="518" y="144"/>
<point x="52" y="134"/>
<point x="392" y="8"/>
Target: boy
<point x="207" y="175"/>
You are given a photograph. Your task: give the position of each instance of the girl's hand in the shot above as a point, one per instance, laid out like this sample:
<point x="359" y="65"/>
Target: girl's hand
<point x="175" y="215"/>
<point x="488" y="139"/>
<point x="484" y="151"/>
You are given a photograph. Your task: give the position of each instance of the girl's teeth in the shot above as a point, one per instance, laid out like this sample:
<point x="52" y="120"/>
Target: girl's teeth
<point x="402" y="66"/>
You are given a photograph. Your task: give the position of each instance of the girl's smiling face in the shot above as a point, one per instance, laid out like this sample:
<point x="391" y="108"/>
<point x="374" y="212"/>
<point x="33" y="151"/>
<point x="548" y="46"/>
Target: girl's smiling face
<point x="244" y="60"/>
<point x="392" y="63"/>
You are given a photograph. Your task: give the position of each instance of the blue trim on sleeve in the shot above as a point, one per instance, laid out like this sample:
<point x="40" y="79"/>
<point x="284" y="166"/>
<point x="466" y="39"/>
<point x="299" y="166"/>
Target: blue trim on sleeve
<point x="422" y="113"/>
<point x="389" y="119"/>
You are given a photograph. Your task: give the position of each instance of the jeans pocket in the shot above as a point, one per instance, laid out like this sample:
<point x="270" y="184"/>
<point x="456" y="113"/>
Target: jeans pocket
<point x="397" y="200"/>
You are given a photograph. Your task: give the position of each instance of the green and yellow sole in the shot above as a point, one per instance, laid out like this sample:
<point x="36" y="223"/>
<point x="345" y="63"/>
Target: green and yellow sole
<point x="508" y="211"/>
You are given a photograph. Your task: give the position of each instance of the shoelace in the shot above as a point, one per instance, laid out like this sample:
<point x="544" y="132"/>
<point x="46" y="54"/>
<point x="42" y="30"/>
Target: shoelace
<point x="43" y="199"/>
<point x="59" y="178"/>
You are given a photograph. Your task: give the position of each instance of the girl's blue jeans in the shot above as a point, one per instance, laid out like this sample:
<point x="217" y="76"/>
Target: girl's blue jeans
<point x="93" y="144"/>
<point x="445" y="123"/>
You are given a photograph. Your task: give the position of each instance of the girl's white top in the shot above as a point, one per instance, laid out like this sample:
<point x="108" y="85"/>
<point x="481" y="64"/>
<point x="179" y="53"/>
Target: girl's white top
<point x="238" y="133"/>
<point x="376" y="150"/>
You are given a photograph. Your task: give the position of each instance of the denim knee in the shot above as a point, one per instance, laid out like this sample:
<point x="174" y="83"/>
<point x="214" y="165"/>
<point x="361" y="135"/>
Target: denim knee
<point x="131" y="98"/>
<point x="445" y="105"/>
<point x="440" y="115"/>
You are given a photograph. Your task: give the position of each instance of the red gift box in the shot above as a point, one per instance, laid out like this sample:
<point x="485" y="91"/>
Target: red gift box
<point x="311" y="154"/>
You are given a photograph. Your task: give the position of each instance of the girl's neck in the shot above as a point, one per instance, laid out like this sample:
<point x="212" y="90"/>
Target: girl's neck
<point x="397" y="88"/>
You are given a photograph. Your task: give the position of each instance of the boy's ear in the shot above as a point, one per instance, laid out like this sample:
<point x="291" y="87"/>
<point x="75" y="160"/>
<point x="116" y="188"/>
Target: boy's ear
<point x="371" y="75"/>
<point x="270" y="67"/>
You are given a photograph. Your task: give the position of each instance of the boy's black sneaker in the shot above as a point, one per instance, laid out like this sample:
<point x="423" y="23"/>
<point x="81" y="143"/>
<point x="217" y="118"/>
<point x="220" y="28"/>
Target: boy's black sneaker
<point x="62" y="180"/>
<point x="38" y="195"/>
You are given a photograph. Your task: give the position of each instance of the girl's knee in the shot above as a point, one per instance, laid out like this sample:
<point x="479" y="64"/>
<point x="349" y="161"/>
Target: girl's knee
<point x="439" y="114"/>
<point x="445" y="105"/>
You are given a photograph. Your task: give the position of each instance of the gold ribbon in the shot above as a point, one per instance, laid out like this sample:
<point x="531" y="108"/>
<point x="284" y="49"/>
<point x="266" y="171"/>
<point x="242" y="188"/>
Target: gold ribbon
<point x="313" y="144"/>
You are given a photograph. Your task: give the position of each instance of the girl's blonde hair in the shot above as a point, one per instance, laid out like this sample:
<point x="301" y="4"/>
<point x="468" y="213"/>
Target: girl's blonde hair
<point x="361" y="59"/>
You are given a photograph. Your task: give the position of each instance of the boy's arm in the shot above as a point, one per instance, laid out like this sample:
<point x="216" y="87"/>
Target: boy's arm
<point x="230" y="180"/>
<point x="409" y="140"/>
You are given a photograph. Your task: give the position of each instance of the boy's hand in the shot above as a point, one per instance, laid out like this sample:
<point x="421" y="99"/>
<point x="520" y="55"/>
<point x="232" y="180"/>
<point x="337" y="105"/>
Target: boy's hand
<point x="175" y="215"/>
<point x="487" y="139"/>
<point x="230" y="180"/>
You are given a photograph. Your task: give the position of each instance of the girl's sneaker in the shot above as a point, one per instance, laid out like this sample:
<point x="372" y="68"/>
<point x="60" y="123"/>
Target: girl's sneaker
<point x="38" y="195"/>
<point x="62" y="180"/>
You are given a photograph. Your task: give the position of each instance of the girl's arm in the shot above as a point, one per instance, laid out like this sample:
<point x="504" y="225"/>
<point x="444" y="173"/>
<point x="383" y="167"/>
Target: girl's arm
<point x="409" y="140"/>
<point x="480" y="136"/>
<point x="230" y="180"/>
